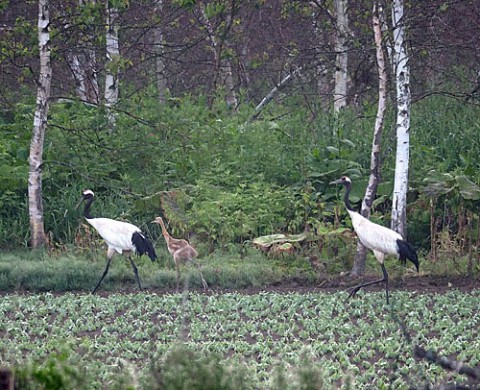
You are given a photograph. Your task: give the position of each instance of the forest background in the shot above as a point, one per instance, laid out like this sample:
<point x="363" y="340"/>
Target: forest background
<point x="155" y="106"/>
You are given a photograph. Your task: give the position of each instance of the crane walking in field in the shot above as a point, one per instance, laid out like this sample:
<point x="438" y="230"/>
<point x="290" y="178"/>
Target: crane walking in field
<point x="121" y="237"/>
<point x="180" y="250"/>
<point x="381" y="240"/>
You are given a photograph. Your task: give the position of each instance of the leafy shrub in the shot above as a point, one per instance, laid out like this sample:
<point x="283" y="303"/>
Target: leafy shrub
<point x="56" y="373"/>
<point x="182" y="368"/>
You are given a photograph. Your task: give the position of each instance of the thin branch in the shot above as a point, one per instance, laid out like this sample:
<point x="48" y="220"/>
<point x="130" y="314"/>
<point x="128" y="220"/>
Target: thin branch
<point x="433" y="356"/>
<point x="267" y="99"/>
<point x="451" y="365"/>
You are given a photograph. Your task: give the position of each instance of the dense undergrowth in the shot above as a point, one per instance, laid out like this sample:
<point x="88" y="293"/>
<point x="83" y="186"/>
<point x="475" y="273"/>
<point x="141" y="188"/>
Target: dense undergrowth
<point x="223" y="182"/>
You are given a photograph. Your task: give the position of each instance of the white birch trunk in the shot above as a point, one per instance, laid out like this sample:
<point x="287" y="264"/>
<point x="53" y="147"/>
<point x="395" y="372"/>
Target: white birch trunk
<point x="35" y="206"/>
<point x="371" y="191"/>
<point x="113" y="56"/>
<point x="402" y="77"/>
<point x="223" y="65"/>
<point x="83" y="64"/>
<point x="79" y="75"/>
<point x="85" y="77"/>
<point x="341" y="62"/>
<point x="159" y="42"/>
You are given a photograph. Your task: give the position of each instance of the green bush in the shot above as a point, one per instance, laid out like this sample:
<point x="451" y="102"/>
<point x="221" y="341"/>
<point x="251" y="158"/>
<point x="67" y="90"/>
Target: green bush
<point x="236" y="181"/>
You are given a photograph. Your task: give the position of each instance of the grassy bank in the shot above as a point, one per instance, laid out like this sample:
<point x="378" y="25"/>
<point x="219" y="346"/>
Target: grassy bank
<point x="39" y="271"/>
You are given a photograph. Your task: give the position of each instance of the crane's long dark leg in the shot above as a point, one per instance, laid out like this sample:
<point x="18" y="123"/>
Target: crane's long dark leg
<point x="204" y="282"/>
<point x="104" y="273"/>
<point x="177" y="267"/>
<point x="135" y="271"/>
<point x="354" y="290"/>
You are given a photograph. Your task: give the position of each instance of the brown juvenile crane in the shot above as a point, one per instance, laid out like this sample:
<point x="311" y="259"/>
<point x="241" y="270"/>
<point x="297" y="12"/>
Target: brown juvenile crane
<point x="181" y="250"/>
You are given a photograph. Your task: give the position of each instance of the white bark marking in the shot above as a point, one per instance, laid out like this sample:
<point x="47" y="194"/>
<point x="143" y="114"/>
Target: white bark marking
<point x="402" y="73"/>
<point x="35" y="207"/>
<point x="113" y="55"/>
<point x="341" y="63"/>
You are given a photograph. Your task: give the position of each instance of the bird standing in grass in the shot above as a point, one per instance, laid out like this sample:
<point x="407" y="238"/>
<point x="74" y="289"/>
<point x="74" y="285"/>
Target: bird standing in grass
<point x="381" y="240"/>
<point x="121" y="237"/>
<point x="180" y="250"/>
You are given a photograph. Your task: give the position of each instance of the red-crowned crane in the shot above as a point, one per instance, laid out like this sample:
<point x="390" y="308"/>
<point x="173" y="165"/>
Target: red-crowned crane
<point x="381" y="240"/>
<point x="180" y="249"/>
<point x="121" y="237"/>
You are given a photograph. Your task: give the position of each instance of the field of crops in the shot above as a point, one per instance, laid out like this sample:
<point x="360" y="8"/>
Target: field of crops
<point x="357" y="341"/>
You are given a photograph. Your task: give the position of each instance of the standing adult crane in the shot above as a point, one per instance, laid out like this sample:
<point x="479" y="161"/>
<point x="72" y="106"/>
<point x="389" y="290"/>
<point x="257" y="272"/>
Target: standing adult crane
<point x="381" y="240"/>
<point x="180" y="249"/>
<point x="120" y="237"/>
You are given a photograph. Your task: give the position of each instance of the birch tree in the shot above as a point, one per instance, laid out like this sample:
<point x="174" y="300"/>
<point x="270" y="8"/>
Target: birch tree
<point x="361" y="254"/>
<point x="341" y="62"/>
<point x="35" y="206"/>
<point x="223" y="65"/>
<point x="82" y="62"/>
<point x="403" y="101"/>
<point x="86" y="82"/>
<point x="159" y="43"/>
<point x="113" y="58"/>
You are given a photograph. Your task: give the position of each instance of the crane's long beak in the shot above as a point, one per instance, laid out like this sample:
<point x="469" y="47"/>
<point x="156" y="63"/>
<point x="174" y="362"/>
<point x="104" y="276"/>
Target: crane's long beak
<point x="336" y="181"/>
<point x="79" y="202"/>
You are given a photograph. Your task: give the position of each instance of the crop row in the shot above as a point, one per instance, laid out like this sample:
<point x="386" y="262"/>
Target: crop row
<point x="360" y="338"/>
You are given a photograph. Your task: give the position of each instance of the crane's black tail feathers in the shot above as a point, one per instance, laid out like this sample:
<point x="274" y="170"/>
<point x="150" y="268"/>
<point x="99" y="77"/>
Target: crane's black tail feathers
<point x="143" y="245"/>
<point x="407" y="251"/>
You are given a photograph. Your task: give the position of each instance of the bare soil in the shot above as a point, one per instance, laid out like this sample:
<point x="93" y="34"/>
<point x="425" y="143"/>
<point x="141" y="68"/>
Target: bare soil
<point x="419" y="284"/>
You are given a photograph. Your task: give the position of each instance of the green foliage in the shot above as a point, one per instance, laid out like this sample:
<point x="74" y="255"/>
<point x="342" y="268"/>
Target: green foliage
<point x="58" y="372"/>
<point x="235" y="341"/>
<point x="182" y="368"/>
<point x="222" y="180"/>
<point x="251" y="209"/>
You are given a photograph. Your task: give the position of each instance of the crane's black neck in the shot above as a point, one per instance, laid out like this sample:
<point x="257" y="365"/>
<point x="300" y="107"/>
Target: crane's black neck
<point x="346" y="197"/>
<point x="86" y="208"/>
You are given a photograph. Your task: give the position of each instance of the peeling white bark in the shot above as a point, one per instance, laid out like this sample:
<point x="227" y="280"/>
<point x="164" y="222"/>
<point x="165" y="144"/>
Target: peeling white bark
<point x="223" y="65"/>
<point x="113" y="56"/>
<point x="85" y="77"/>
<point x="371" y="191"/>
<point x="35" y="206"/>
<point x="159" y="43"/>
<point x="341" y="63"/>
<point x="402" y="76"/>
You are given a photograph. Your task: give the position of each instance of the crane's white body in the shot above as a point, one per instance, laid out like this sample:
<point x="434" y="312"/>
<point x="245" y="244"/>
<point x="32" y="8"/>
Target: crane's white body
<point x="117" y="234"/>
<point x="120" y="237"/>
<point x="380" y="239"/>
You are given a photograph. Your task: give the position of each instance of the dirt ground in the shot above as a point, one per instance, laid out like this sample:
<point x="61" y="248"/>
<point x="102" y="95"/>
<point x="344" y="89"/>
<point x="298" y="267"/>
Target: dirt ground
<point x="419" y="284"/>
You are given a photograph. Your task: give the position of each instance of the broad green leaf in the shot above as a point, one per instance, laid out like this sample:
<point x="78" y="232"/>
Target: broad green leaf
<point x="266" y="241"/>
<point x="333" y="150"/>
<point x="467" y="188"/>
